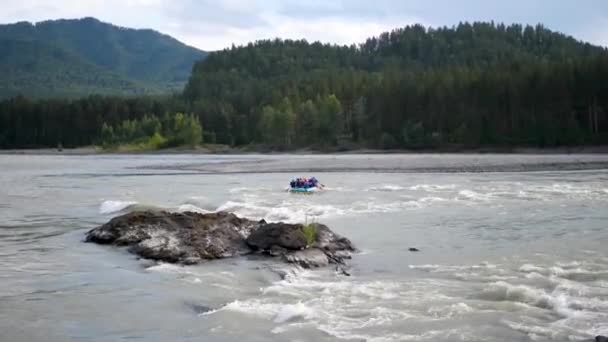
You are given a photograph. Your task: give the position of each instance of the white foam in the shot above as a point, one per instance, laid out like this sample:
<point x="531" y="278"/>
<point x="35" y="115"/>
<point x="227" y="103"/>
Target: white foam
<point x="339" y="306"/>
<point x="386" y="187"/>
<point x="252" y="307"/>
<point x="302" y="283"/>
<point x="529" y="268"/>
<point x="517" y="191"/>
<point x="292" y="212"/>
<point x="292" y="311"/>
<point x="579" y="274"/>
<point x="568" y="264"/>
<point x="532" y="331"/>
<point x="503" y="291"/>
<point x="566" y="301"/>
<point x="168" y="268"/>
<point x="433" y="187"/>
<point x="244" y="209"/>
<point x="114" y="206"/>
<point x="301" y="209"/>
<point x="450" y="311"/>
<point x="535" y="275"/>
<point x="432" y="199"/>
<point x="473" y="196"/>
<point x="191" y="208"/>
<point x="429" y="335"/>
<point x="572" y="191"/>
<point x="198" y="203"/>
<point x="452" y="268"/>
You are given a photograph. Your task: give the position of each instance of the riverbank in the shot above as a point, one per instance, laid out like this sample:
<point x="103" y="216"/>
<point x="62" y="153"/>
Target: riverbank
<point x="250" y="149"/>
<point x="383" y="163"/>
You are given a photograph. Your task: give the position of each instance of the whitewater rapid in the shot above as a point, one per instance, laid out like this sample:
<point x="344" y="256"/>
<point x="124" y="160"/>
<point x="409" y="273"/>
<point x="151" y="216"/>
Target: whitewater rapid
<point x="573" y="297"/>
<point x="273" y="204"/>
<point x="540" y="298"/>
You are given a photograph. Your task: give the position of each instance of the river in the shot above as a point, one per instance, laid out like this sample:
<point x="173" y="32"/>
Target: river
<point x="519" y="255"/>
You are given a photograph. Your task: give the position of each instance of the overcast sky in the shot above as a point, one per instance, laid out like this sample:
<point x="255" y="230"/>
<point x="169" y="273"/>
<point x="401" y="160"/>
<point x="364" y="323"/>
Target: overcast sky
<point x="215" y="24"/>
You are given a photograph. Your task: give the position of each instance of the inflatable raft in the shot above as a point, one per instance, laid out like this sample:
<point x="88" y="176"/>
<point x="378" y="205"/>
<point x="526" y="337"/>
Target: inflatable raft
<point x="303" y="190"/>
<point x="304" y="185"/>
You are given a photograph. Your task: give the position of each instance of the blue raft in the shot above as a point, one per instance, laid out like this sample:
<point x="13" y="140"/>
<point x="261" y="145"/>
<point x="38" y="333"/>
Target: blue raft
<point x="303" y="190"/>
<point x="304" y="185"/>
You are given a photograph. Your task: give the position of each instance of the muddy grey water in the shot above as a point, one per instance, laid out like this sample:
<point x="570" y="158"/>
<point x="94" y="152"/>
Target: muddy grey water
<point x="504" y="256"/>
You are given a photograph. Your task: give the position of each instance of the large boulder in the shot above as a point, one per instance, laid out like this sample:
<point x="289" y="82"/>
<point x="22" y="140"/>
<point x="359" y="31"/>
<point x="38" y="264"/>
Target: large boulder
<point x="189" y="238"/>
<point x="177" y="237"/>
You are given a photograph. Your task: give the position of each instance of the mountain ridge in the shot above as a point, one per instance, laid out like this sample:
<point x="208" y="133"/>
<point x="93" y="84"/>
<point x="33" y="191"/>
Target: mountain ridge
<point x="126" y="61"/>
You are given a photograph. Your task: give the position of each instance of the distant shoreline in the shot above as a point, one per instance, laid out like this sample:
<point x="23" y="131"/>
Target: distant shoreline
<point x="357" y="160"/>
<point x="220" y="149"/>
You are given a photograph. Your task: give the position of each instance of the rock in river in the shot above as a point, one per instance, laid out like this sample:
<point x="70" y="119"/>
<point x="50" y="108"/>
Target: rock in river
<point x="189" y="238"/>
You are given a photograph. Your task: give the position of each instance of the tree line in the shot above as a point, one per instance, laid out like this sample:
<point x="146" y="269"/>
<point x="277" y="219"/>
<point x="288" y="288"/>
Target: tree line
<point x="26" y="123"/>
<point x="480" y="84"/>
<point x="152" y="132"/>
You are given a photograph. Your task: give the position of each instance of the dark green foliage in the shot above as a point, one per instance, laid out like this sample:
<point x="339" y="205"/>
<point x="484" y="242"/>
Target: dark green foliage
<point x="319" y="123"/>
<point x="45" y="123"/>
<point x="472" y="85"/>
<point x="70" y="58"/>
<point x="152" y="133"/>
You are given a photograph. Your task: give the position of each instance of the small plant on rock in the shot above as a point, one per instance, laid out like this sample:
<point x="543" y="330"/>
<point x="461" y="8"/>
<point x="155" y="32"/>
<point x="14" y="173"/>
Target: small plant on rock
<point x="310" y="232"/>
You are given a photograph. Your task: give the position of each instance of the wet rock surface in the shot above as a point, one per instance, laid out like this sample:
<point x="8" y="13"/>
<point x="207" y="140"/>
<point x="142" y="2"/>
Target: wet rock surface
<point x="190" y="238"/>
<point x="308" y="258"/>
<point x="287" y="236"/>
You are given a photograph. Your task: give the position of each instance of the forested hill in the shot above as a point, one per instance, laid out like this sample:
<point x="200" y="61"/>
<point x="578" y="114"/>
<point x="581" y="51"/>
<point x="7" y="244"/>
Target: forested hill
<point x="479" y="45"/>
<point x="69" y="58"/>
<point x="473" y="84"/>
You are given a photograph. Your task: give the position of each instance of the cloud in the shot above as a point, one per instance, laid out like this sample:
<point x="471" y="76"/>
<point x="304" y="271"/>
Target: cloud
<point x="215" y="24"/>
<point x="328" y="29"/>
<point x="595" y="30"/>
<point x="219" y="24"/>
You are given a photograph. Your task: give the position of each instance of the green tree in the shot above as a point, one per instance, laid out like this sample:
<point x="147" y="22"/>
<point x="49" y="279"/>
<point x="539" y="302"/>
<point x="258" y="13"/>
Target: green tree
<point x="183" y="129"/>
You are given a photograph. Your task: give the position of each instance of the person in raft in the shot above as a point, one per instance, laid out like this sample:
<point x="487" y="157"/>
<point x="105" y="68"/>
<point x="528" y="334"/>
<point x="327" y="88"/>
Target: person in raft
<point x="316" y="183"/>
<point x="306" y="183"/>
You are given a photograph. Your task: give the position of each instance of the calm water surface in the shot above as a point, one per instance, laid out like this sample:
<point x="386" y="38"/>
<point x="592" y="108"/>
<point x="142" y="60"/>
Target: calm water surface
<point x="503" y="256"/>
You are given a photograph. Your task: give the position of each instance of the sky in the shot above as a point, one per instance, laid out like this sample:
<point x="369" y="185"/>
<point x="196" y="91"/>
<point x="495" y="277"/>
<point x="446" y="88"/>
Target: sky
<point x="217" y="24"/>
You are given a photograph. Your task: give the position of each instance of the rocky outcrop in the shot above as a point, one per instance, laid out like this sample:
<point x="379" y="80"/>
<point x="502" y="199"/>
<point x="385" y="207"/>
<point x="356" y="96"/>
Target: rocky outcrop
<point x="286" y="236"/>
<point x="308" y="258"/>
<point x="190" y="238"/>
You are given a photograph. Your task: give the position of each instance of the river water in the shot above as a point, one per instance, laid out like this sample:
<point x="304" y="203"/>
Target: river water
<point x="504" y="256"/>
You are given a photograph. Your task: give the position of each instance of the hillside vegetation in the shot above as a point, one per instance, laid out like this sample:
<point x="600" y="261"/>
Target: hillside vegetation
<point x="72" y="58"/>
<point x="471" y="85"/>
<point x="474" y="84"/>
